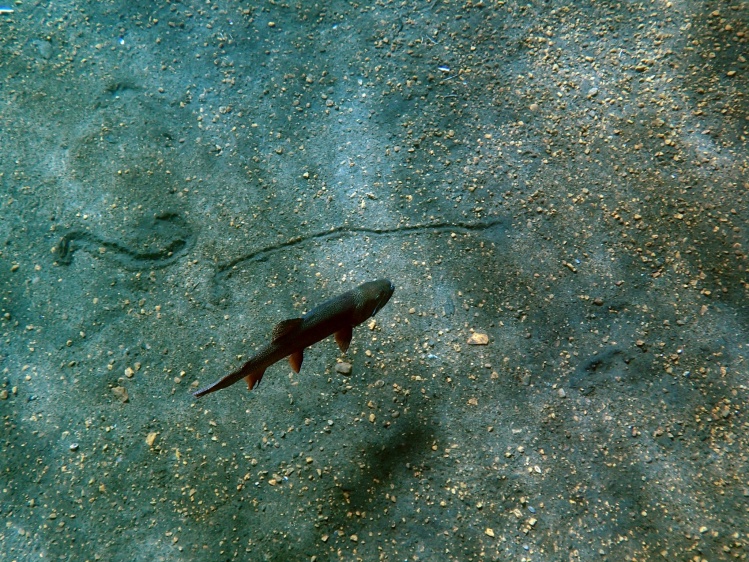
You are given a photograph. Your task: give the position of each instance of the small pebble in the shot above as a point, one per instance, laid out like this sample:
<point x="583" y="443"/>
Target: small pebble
<point x="121" y="393"/>
<point x="343" y="369"/>
<point x="151" y="438"/>
<point x="478" y="339"/>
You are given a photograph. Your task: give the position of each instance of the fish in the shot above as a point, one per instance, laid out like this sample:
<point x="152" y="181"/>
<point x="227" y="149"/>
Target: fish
<point x="339" y="316"/>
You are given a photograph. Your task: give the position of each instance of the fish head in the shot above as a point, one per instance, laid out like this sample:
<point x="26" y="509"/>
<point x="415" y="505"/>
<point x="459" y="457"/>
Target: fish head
<point x="371" y="297"/>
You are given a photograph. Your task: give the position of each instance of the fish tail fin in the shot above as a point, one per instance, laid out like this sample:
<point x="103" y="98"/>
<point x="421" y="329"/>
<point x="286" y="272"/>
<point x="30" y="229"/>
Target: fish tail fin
<point x="251" y="376"/>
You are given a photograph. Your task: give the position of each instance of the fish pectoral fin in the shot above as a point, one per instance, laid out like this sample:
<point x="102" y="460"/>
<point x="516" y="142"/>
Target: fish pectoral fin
<point x="295" y="360"/>
<point x="343" y="337"/>
<point x="285" y="327"/>
<point x="253" y="379"/>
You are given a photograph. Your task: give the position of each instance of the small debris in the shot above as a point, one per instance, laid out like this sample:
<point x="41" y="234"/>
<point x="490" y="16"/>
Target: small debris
<point x="489" y="532"/>
<point x="151" y="438"/>
<point x="569" y="266"/>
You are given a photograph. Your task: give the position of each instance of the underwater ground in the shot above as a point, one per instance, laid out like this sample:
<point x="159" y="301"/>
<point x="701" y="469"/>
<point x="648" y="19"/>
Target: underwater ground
<point x="558" y="190"/>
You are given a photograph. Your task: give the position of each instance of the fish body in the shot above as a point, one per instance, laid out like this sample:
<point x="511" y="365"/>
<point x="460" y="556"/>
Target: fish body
<point x="338" y="316"/>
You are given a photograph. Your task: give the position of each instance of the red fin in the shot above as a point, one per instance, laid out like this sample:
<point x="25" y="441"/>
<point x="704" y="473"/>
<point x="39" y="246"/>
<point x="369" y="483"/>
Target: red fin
<point x="295" y="360"/>
<point x="253" y="379"/>
<point x="285" y="327"/>
<point x="343" y="338"/>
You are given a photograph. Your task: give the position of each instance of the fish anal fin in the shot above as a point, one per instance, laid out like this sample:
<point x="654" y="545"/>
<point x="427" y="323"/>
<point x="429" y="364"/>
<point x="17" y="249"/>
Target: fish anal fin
<point x="343" y="338"/>
<point x="285" y="327"/>
<point x="253" y="379"/>
<point x="295" y="360"/>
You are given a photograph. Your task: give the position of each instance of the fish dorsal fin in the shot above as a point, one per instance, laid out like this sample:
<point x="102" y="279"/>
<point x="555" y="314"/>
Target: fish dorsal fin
<point x="285" y="327"/>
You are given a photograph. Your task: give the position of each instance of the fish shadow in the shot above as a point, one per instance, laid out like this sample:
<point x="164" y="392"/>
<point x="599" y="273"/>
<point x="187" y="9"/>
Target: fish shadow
<point x="405" y="446"/>
<point x="602" y="369"/>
